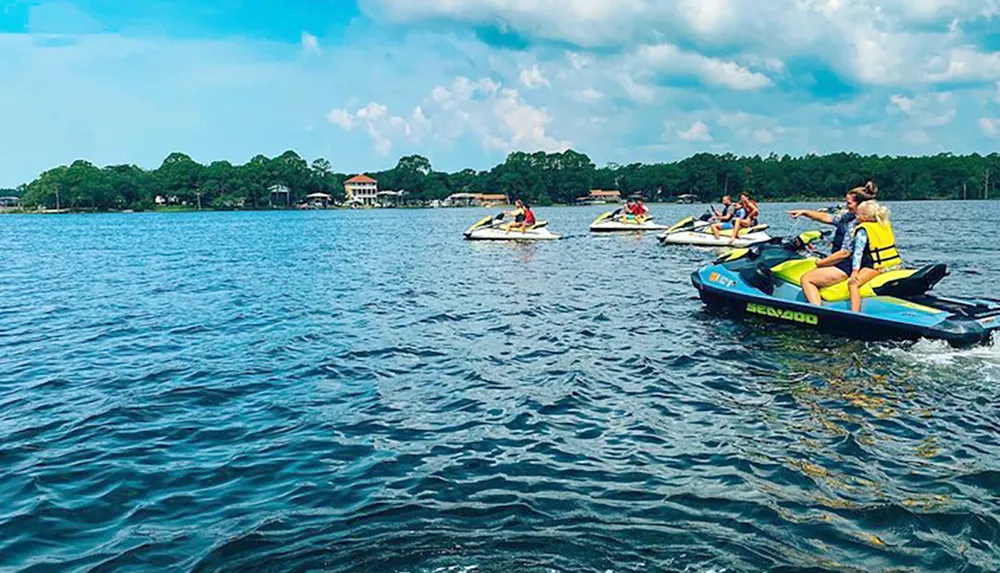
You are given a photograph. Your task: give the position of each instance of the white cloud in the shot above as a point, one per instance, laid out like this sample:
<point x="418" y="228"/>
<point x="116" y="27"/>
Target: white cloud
<point x="697" y="132"/>
<point x="669" y="58"/>
<point x="381" y="127"/>
<point x="902" y="103"/>
<point x="498" y="117"/>
<point x="885" y="42"/>
<point x="525" y="125"/>
<point x="926" y="110"/>
<point x="916" y="137"/>
<point x="734" y="120"/>
<point x="419" y="120"/>
<point x="637" y="91"/>
<point x="578" y="60"/>
<point x="310" y="43"/>
<point x="341" y="117"/>
<point x="989" y="126"/>
<point x="589" y="95"/>
<point x="764" y="136"/>
<point x="964" y="64"/>
<point x="372" y="111"/>
<point x="871" y="131"/>
<point x="533" y="78"/>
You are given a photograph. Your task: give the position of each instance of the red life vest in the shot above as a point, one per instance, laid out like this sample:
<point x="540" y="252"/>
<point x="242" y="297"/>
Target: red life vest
<point x="529" y="217"/>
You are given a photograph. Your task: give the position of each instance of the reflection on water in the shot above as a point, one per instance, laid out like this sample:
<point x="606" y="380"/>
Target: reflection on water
<point x="367" y="391"/>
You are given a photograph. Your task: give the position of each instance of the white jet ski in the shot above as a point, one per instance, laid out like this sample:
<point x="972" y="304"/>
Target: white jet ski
<point x="614" y="221"/>
<point x="494" y="229"/>
<point x="696" y="232"/>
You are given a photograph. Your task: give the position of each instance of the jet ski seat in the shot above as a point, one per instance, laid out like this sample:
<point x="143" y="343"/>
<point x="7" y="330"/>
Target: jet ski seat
<point x="915" y="284"/>
<point x="903" y="282"/>
<point x="744" y="231"/>
<point x="537" y="225"/>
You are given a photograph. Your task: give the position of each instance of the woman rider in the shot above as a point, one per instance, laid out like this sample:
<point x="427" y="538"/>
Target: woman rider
<point x="874" y="248"/>
<point x="750" y="219"/>
<point x="639" y="211"/>
<point x="837" y="267"/>
<point x="524" y="219"/>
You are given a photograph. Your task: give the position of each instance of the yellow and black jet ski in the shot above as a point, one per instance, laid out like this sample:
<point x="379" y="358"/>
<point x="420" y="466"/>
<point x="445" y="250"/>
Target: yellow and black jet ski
<point x="764" y="281"/>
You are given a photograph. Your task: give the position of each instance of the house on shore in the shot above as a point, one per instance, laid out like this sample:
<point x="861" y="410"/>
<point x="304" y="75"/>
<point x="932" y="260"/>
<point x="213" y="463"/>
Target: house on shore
<point x="280" y="195"/>
<point x="476" y="199"/>
<point x="600" y="197"/>
<point x="361" y="190"/>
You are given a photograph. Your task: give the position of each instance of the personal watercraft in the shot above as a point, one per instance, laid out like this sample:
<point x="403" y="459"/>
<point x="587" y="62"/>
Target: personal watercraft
<point x="698" y="232"/>
<point x="492" y="228"/>
<point x="615" y="221"/>
<point x="764" y="280"/>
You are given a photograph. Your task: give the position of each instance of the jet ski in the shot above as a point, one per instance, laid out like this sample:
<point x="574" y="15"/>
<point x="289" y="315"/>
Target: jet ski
<point x="492" y="228"/>
<point x="764" y="281"/>
<point x="698" y="232"/>
<point x="615" y="221"/>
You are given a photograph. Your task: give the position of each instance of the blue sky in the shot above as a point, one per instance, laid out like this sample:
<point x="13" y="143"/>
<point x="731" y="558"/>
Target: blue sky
<point x="465" y="82"/>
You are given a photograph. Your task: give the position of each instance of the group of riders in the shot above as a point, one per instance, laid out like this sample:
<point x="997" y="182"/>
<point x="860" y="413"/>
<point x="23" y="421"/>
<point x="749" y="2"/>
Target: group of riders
<point x="734" y="217"/>
<point x="523" y="217"/>
<point x="863" y="244"/>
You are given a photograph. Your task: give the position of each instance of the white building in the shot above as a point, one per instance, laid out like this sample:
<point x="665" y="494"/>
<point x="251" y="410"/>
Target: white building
<point x="362" y="190"/>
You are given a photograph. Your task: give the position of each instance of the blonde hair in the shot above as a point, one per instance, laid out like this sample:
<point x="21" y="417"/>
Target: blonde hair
<point x="872" y="211"/>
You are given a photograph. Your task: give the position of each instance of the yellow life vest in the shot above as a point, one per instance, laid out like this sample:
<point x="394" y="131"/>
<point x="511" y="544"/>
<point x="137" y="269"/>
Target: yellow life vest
<point x="881" y="245"/>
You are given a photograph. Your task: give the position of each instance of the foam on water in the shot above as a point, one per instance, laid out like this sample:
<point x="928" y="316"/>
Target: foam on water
<point x="979" y="362"/>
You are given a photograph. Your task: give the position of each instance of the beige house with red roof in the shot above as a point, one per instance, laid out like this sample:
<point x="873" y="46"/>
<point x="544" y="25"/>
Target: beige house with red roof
<point x="361" y="189"/>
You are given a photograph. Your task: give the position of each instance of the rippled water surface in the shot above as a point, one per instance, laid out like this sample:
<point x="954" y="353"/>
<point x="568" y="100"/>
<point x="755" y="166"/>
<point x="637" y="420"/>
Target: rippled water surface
<point x="365" y="391"/>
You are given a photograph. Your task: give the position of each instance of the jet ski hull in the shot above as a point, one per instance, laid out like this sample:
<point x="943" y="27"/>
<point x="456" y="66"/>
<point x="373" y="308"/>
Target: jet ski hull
<point x="496" y="234"/>
<point x="701" y="239"/>
<point x="619" y="227"/>
<point x="724" y="288"/>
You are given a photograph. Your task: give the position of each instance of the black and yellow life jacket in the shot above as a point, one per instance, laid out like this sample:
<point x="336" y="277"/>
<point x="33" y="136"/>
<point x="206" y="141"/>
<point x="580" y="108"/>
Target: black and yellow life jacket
<point x="881" y="246"/>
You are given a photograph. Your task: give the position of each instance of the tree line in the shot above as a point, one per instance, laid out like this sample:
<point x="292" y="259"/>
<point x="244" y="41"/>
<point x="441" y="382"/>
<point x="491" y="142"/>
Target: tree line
<point x="539" y="178"/>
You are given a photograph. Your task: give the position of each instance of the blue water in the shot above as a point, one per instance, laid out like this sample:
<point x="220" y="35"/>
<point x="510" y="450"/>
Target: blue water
<point x="365" y="391"/>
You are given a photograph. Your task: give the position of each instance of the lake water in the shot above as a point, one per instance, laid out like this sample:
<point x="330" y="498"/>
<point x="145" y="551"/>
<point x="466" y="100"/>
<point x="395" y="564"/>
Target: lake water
<point x="366" y="391"/>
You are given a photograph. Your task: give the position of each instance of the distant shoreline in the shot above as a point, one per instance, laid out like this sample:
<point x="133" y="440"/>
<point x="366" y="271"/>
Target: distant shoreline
<point x="609" y="206"/>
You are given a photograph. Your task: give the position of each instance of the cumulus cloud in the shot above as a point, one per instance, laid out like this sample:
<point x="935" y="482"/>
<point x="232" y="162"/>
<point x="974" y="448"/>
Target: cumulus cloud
<point x="925" y="110"/>
<point x="589" y="95"/>
<point x="341" y="117"/>
<point x="533" y="78"/>
<point x="764" y="136"/>
<point x="667" y="57"/>
<point x="310" y="43"/>
<point x="498" y="117"/>
<point x="578" y="60"/>
<point x="989" y="126"/>
<point x="916" y="137"/>
<point x="382" y="127"/>
<point x="697" y="132"/>
<point x="879" y="43"/>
